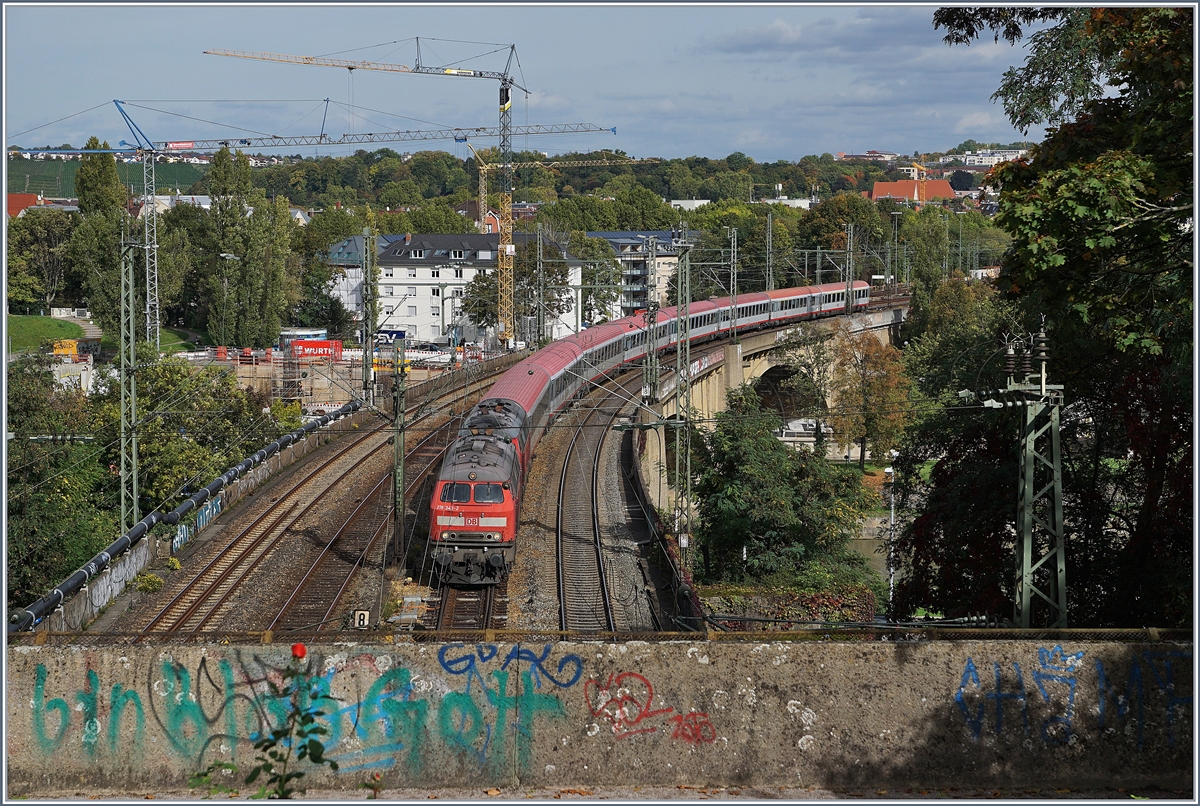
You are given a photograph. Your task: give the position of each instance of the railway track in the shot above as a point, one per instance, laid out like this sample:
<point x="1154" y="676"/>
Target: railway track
<point x="209" y="593"/>
<point x="585" y="600"/>
<point x="472" y="609"/>
<point x="206" y="598"/>
<point x="315" y="598"/>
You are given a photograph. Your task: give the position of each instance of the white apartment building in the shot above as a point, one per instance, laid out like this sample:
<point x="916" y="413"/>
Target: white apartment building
<point x="421" y="280"/>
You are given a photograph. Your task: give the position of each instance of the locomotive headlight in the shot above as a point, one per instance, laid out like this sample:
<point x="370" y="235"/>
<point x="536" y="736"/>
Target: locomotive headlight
<point x="445" y="536"/>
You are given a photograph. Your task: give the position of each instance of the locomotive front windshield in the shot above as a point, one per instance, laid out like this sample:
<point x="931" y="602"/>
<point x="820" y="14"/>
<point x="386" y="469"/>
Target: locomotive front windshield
<point x="456" y="493"/>
<point x="489" y="494"/>
<point x="453" y="493"/>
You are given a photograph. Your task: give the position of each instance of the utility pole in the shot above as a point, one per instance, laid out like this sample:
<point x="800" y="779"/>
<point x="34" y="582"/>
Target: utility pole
<point x="128" y="347"/>
<point x="849" y="268"/>
<point x="770" y="264"/>
<point x="541" y="285"/>
<point x="398" y="381"/>
<point x="1041" y="589"/>
<point x="650" y="365"/>
<point x="683" y="407"/>
<point x="368" y="297"/>
<point x="732" y="282"/>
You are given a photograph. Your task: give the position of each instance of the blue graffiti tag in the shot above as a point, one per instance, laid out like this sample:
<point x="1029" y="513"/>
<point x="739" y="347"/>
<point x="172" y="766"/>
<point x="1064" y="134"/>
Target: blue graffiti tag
<point x="537" y="665"/>
<point x="1061" y="668"/>
<point x="1166" y="684"/>
<point x="970" y="675"/>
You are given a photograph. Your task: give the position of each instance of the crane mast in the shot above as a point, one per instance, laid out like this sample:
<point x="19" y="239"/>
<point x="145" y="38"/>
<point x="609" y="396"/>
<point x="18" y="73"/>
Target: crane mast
<point x="504" y="260"/>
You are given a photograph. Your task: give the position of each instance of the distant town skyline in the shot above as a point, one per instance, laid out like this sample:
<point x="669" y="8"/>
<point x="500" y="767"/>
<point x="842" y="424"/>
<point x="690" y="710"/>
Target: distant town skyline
<point x="775" y="83"/>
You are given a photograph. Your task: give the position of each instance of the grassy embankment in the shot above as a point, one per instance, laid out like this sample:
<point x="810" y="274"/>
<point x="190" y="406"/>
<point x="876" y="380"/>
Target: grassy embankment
<point x="28" y="332"/>
<point x="170" y="340"/>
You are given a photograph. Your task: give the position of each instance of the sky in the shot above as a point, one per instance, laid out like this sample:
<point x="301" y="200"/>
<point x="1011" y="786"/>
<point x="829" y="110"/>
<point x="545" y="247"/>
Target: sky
<point x="775" y="82"/>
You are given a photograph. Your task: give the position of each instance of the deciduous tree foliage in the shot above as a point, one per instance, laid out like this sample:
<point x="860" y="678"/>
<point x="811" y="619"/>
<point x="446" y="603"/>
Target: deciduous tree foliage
<point x="1102" y="247"/>
<point x="786" y="507"/>
<point x="60" y="510"/>
<point x="96" y="182"/>
<point x="870" y="393"/>
<point x="38" y="246"/>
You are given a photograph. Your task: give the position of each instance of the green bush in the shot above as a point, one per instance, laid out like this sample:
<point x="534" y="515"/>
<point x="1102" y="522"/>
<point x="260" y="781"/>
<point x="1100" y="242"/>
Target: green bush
<point x="145" y="582"/>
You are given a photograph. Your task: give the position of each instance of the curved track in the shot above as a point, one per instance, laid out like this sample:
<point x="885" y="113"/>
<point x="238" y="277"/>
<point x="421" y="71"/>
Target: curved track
<point x="585" y="603"/>
<point x="211" y="593"/>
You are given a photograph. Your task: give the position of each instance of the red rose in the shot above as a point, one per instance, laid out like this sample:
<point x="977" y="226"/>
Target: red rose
<point x="298" y="651"/>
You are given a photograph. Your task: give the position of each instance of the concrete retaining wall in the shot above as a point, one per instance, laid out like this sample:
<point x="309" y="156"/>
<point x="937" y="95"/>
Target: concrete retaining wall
<point x="928" y="714"/>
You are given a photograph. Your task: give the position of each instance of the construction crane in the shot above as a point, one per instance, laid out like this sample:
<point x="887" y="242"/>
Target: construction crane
<point x="506" y="327"/>
<point x="484" y="167"/>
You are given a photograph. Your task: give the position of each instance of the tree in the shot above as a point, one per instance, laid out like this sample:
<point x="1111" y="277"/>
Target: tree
<point x="247" y="286"/>
<point x="808" y="352"/>
<point x="785" y="508"/>
<point x="95" y="252"/>
<point x="480" y="298"/>
<point x="870" y="393"/>
<point x="962" y="180"/>
<point x="59" y="491"/>
<point x="1065" y="68"/>
<point x="601" y="274"/>
<point x="38" y="246"/>
<point x="1101" y="254"/>
<point x="96" y="182"/>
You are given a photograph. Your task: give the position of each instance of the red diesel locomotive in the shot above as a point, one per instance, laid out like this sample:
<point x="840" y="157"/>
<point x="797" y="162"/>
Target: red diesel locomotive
<point x="477" y="498"/>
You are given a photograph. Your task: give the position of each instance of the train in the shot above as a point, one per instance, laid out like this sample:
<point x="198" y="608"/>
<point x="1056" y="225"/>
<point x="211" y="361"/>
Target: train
<point x="476" y="499"/>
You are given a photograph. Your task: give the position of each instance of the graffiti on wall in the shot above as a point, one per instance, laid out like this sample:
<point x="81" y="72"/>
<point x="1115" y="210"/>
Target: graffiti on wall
<point x="626" y="702"/>
<point x="997" y="701"/>
<point x="484" y="704"/>
<point x="204" y="516"/>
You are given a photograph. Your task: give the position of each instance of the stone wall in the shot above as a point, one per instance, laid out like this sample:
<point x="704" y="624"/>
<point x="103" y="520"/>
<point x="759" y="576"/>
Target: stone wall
<point x="1064" y="713"/>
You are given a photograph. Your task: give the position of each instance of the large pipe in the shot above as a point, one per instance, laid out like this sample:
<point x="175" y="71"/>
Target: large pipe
<point x="28" y="618"/>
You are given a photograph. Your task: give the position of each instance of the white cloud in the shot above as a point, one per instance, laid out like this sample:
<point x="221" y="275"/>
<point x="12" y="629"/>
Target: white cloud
<point x="975" y="121"/>
<point x="775" y="36"/>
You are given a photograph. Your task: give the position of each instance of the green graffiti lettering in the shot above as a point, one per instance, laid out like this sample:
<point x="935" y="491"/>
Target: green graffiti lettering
<point x="182" y="711"/>
<point x="408" y="725"/>
<point x="117" y="702"/>
<point x="230" y="704"/>
<point x="40" y="707"/>
<point x="397" y="679"/>
<point x="528" y="702"/>
<point x="91" y="722"/>
<point x="460" y="721"/>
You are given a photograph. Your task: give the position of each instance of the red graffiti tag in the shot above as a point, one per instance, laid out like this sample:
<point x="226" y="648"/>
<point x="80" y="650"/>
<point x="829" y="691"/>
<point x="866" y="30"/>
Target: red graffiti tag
<point x="694" y="728"/>
<point x="624" y="701"/>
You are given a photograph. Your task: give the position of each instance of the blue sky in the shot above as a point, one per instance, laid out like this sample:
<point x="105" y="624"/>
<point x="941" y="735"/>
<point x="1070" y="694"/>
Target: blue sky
<point x="774" y="82"/>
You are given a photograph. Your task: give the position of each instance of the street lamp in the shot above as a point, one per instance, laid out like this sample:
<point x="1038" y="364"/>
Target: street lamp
<point x="890" y="472"/>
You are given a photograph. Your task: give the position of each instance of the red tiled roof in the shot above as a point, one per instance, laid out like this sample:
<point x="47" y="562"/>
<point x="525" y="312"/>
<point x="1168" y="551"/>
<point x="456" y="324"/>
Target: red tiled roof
<point x="19" y="201"/>
<point x="907" y="189"/>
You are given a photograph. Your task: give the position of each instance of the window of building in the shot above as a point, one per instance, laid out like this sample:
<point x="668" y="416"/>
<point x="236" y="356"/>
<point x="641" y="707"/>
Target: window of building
<point x="412" y="273"/>
<point x="484" y="254"/>
<point x="435" y="292"/>
<point x="412" y="310"/>
<point x="412" y="291"/>
<point x="417" y="253"/>
<point x="458" y="274"/>
<point x="456" y="254"/>
<point x="387" y="309"/>
<point x="435" y="272"/>
<point x="387" y="271"/>
<point x="435" y="311"/>
<point x="387" y="290"/>
<point x="457" y="292"/>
